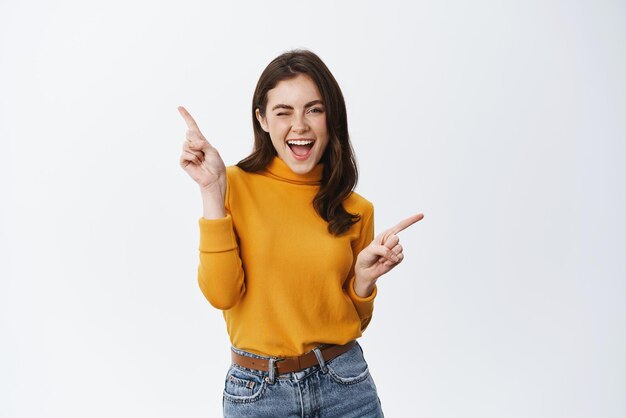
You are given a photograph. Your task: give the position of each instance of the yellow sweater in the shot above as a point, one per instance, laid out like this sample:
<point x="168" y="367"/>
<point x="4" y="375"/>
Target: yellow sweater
<point x="284" y="283"/>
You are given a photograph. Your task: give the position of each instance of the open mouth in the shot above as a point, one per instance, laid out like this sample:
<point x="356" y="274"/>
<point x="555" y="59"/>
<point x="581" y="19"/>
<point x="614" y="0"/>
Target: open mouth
<point x="301" y="148"/>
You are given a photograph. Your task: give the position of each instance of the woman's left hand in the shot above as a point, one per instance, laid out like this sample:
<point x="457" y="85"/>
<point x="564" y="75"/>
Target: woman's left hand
<point x="383" y="254"/>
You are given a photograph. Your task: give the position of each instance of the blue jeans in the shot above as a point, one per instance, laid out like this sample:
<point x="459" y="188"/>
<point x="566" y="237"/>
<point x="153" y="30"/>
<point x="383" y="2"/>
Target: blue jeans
<point x="341" y="387"/>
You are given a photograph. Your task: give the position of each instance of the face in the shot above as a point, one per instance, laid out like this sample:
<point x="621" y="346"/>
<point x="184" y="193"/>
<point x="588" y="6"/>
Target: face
<point x="295" y="118"/>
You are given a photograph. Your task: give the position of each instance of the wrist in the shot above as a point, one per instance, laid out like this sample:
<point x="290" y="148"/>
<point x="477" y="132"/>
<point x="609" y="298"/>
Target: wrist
<point x="363" y="288"/>
<point x="213" y="205"/>
<point x="214" y="189"/>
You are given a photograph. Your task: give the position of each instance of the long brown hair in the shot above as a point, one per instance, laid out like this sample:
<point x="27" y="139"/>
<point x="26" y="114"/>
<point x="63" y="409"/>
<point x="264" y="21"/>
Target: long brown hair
<point x="340" y="172"/>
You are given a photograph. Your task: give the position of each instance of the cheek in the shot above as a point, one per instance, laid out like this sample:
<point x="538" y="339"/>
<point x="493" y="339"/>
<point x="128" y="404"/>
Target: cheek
<point x="323" y="134"/>
<point x="278" y="127"/>
<point x="319" y="125"/>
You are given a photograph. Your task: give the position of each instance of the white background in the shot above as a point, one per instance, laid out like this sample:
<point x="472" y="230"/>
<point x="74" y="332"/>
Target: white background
<point x="502" y="121"/>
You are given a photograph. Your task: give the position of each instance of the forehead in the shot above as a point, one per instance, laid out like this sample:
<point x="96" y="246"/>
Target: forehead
<point x="297" y="90"/>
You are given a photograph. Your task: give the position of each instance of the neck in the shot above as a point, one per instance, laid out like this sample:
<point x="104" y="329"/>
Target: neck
<point x="277" y="168"/>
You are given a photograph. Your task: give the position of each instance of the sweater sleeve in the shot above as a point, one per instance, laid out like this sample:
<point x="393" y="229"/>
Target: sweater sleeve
<point x="364" y="306"/>
<point x="220" y="272"/>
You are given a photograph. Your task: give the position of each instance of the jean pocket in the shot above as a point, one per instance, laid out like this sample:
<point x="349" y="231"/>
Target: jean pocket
<point x="349" y="368"/>
<point x="243" y="387"/>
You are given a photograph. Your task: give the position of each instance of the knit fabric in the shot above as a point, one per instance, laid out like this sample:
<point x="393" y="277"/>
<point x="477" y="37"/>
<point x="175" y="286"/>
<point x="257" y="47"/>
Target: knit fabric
<point x="284" y="283"/>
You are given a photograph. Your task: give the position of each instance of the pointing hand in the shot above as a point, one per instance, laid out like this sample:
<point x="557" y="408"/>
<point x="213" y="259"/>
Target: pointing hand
<point x="200" y="159"/>
<point x="383" y="254"/>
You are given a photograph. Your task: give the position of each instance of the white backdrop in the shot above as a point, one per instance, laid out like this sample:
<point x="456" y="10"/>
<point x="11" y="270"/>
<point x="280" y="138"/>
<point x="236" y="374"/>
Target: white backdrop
<point x="503" y="122"/>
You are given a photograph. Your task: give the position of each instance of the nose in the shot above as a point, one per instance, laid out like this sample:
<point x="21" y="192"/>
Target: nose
<point x="299" y="124"/>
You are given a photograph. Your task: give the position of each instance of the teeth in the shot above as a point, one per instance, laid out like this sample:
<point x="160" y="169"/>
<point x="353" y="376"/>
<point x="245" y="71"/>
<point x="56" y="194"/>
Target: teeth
<point x="300" y="142"/>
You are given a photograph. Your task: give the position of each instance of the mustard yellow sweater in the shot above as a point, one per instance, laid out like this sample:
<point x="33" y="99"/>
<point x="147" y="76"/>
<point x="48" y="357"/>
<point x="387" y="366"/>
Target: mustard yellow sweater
<point x="284" y="283"/>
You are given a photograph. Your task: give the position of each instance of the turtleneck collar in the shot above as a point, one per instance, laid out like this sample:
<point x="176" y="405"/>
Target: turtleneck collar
<point x="277" y="168"/>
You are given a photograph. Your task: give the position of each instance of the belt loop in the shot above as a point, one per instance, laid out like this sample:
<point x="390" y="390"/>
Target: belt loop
<point x="320" y="359"/>
<point x="272" y="370"/>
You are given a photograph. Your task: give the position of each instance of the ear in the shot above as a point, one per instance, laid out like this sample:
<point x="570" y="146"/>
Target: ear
<point x="261" y="119"/>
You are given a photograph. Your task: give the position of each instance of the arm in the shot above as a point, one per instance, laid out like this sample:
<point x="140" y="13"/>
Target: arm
<point x="380" y="255"/>
<point x="220" y="272"/>
<point x="364" y="304"/>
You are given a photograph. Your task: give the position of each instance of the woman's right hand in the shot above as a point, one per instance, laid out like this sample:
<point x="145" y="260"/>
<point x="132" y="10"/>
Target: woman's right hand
<point x="201" y="160"/>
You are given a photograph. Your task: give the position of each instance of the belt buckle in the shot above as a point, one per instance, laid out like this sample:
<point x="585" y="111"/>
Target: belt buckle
<point x="273" y="369"/>
<point x="276" y="361"/>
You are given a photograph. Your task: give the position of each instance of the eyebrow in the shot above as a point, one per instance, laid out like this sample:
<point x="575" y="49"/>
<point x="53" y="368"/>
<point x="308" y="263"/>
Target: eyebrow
<point x="311" y="103"/>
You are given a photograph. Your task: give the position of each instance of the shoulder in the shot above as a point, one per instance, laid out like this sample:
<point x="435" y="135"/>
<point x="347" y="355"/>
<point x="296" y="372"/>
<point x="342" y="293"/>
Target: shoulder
<point x="236" y="175"/>
<point x="356" y="203"/>
<point x="232" y="171"/>
<point x="238" y="181"/>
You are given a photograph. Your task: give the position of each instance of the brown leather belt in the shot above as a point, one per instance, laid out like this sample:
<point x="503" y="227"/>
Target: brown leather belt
<point x="292" y="364"/>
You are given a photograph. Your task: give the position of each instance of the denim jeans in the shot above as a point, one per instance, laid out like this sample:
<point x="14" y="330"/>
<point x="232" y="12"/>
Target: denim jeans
<point x="341" y="387"/>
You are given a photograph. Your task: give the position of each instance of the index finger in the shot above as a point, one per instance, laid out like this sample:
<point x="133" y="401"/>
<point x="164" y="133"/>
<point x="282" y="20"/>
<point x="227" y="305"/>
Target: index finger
<point x="191" y="123"/>
<point x="406" y="223"/>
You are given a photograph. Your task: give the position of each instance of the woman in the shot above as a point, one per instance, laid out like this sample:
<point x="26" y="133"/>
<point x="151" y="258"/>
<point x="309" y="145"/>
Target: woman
<point x="287" y="250"/>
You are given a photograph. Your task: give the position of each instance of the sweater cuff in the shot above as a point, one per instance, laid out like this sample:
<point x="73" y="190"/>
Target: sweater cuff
<point x="217" y="235"/>
<point x="363" y="305"/>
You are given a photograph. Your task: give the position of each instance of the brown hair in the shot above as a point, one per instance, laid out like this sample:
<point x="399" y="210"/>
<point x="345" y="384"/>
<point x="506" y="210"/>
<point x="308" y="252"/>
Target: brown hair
<point x="340" y="172"/>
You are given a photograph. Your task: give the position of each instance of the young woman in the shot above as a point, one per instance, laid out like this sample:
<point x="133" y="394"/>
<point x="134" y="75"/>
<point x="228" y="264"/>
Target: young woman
<point x="287" y="250"/>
